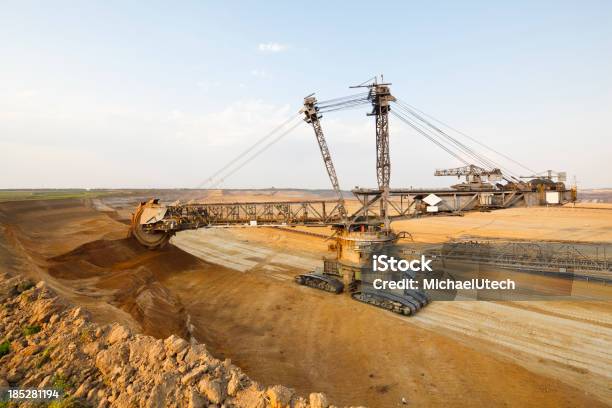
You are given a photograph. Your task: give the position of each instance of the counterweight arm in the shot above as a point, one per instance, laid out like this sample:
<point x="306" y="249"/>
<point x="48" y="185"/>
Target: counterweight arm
<point x="312" y="116"/>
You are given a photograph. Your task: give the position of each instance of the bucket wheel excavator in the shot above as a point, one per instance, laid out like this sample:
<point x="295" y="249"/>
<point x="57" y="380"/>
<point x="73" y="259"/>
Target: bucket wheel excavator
<point x="357" y="235"/>
<point x="148" y="213"/>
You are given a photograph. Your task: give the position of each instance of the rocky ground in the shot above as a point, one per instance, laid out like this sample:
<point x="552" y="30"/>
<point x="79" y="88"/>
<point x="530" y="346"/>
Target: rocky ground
<point x="47" y="343"/>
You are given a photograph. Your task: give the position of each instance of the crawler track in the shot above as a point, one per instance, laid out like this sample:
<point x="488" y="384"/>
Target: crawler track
<point x="407" y="305"/>
<point x="320" y="281"/>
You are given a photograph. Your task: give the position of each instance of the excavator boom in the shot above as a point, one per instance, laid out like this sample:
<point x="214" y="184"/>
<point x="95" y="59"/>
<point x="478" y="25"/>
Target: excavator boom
<point x="312" y="116"/>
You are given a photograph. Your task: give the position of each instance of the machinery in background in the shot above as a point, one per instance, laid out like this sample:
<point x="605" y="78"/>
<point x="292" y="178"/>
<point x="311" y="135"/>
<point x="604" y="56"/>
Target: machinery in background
<point x="548" y="180"/>
<point x="480" y="179"/>
<point x="476" y="178"/>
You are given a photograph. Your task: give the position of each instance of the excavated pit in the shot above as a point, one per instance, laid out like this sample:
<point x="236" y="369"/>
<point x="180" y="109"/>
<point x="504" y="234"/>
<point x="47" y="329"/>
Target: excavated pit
<point x="234" y="291"/>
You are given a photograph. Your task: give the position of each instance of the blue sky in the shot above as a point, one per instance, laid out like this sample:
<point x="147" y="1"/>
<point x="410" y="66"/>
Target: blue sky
<point x="154" y="94"/>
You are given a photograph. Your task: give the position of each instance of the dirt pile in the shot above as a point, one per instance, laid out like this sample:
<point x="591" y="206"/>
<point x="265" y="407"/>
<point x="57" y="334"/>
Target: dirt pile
<point x="47" y="343"/>
<point x="131" y="276"/>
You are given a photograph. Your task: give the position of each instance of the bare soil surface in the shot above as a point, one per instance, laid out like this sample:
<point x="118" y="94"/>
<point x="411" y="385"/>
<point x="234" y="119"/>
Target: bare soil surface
<point x="234" y="290"/>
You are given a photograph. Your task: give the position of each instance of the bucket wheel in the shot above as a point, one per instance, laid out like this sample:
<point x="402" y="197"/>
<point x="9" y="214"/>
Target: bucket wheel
<point x="149" y="239"/>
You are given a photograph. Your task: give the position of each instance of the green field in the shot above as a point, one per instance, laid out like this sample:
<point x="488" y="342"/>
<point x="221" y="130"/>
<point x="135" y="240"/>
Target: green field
<point x="19" y="195"/>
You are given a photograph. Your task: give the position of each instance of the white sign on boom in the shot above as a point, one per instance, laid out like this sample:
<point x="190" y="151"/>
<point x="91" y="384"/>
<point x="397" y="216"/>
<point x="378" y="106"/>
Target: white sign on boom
<point x="432" y="199"/>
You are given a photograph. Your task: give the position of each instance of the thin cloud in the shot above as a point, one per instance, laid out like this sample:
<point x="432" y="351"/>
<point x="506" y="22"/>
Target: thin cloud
<point x="176" y="115"/>
<point x="272" y="47"/>
<point x="207" y="85"/>
<point x="27" y="93"/>
<point x="259" y="73"/>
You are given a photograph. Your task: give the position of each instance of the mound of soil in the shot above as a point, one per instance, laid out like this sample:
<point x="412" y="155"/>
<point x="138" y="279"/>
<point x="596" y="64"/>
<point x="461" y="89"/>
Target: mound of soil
<point x="118" y="255"/>
<point x="132" y="277"/>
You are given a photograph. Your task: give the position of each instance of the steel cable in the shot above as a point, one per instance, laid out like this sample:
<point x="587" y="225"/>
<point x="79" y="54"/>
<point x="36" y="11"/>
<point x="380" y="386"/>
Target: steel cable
<point x="340" y="99"/>
<point x="478" y="157"/>
<point x="256" y="154"/>
<point x="247" y="150"/>
<point x="460" y="146"/>
<point x="429" y="137"/>
<point x="347" y="105"/>
<point x="471" y="138"/>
